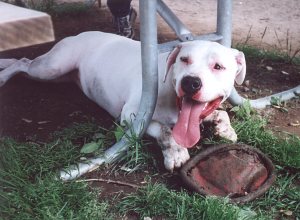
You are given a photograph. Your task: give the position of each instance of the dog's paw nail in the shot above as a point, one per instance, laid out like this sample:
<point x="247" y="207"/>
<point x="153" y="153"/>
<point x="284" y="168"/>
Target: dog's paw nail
<point x="169" y="164"/>
<point x="175" y="157"/>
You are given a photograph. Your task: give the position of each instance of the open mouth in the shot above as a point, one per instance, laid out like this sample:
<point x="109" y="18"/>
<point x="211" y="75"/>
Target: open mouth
<point x="186" y="131"/>
<point x="210" y="107"/>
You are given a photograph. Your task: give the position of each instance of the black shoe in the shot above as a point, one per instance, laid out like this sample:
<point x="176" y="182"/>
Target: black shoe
<point x="125" y="25"/>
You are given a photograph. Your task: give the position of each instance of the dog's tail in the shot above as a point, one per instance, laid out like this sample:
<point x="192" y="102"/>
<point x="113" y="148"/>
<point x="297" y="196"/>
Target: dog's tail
<point x="4" y="63"/>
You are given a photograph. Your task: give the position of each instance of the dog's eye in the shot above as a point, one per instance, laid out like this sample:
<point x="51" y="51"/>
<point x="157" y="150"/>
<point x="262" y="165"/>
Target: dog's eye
<point x="184" y="59"/>
<point x="218" y="67"/>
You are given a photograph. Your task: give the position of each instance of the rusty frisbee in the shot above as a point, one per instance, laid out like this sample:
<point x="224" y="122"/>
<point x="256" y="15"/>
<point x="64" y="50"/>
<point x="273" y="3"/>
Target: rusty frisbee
<point x="237" y="171"/>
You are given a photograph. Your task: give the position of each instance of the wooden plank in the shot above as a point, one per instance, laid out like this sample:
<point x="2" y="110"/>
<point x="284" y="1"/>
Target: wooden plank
<point x="21" y="27"/>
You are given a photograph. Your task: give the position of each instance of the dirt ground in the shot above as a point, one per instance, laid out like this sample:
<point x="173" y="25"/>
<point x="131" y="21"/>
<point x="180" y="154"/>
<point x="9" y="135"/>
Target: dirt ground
<point x="266" y="24"/>
<point x="36" y="109"/>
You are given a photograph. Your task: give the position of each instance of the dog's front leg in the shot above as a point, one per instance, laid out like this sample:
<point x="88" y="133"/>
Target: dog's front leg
<point x="222" y="125"/>
<point x="174" y="155"/>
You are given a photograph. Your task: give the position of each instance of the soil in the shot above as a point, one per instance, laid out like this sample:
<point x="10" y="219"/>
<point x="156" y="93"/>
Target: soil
<point x="37" y="109"/>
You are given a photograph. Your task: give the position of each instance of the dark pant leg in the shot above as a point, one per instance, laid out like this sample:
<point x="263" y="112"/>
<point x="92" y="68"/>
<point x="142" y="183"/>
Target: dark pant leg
<point x="119" y="8"/>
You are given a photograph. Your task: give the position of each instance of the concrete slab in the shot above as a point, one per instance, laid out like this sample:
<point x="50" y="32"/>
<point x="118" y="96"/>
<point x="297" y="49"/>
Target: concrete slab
<point x="21" y="27"/>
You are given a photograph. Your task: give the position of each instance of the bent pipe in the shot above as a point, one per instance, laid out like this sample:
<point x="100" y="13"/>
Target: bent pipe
<point x="222" y="35"/>
<point x="224" y="29"/>
<point x="181" y="31"/>
<point x="236" y="99"/>
<point x="148" y="34"/>
<point x="169" y="46"/>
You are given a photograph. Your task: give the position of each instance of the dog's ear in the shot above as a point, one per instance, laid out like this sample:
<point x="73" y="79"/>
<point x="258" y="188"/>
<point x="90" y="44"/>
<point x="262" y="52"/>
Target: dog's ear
<point x="241" y="62"/>
<point x="171" y="59"/>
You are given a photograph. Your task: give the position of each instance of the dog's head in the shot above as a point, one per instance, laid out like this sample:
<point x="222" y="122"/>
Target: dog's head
<point x="203" y="74"/>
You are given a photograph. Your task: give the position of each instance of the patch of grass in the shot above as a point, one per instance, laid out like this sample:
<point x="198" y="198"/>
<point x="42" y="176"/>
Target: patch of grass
<point x="45" y="5"/>
<point x="48" y="198"/>
<point x="94" y="140"/>
<point x="279" y="104"/>
<point x="157" y="200"/>
<point x="251" y="130"/>
<point x="50" y="6"/>
<point x="30" y="188"/>
<point x="274" y="55"/>
<point x="84" y="131"/>
<point x="29" y="185"/>
<point x="137" y="157"/>
<point x="74" y="8"/>
<point x="282" y="199"/>
<point x="37" y="159"/>
<point x="87" y="133"/>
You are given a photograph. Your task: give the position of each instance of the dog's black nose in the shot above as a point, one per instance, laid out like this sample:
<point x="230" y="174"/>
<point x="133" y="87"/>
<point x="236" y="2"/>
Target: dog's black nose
<point x="190" y="84"/>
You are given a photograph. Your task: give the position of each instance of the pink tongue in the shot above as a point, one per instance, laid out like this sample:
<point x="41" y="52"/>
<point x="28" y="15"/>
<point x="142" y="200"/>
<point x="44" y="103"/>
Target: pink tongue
<point x="186" y="131"/>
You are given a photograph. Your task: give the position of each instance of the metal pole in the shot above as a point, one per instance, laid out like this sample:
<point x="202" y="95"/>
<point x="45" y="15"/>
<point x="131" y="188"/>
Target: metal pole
<point x="178" y="27"/>
<point x="224" y="27"/>
<point x="224" y="21"/>
<point x="149" y="55"/>
<point x="236" y="99"/>
<point x="148" y="36"/>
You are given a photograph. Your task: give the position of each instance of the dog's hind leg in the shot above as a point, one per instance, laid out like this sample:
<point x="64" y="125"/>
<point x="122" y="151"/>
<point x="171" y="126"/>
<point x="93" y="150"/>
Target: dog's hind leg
<point x="60" y="60"/>
<point x="38" y="68"/>
<point x="12" y="69"/>
<point x="4" y="63"/>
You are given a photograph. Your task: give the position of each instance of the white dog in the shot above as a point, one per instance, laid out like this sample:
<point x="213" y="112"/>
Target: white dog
<point x="193" y="80"/>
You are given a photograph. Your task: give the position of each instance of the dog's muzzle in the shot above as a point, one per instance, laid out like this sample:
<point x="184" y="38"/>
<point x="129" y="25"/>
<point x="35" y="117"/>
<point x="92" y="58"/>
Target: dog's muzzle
<point x="191" y="85"/>
<point x="186" y="131"/>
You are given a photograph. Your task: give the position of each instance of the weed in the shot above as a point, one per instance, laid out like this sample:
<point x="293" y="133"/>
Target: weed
<point x="136" y="156"/>
<point x="278" y="104"/>
<point x="285" y="52"/>
<point x="274" y="55"/>
<point x="69" y="8"/>
<point x="253" y="52"/>
<point x="78" y="131"/>
<point x="45" y="5"/>
<point x="51" y="7"/>
<point x="157" y="200"/>
<point x="282" y="197"/>
<point x="250" y="129"/>
<point x="243" y="112"/>
<point x="30" y="188"/>
<point x="94" y="140"/>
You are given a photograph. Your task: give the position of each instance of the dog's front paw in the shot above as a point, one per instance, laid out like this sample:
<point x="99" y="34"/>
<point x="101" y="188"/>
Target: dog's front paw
<point x="227" y="132"/>
<point x="223" y="127"/>
<point x="175" y="156"/>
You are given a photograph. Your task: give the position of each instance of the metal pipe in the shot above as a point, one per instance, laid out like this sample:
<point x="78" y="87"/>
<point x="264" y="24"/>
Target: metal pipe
<point x="172" y="20"/>
<point x="148" y="99"/>
<point x="148" y="35"/>
<point x="224" y="21"/>
<point x="169" y="46"/>
<point x="236" y="99"/>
